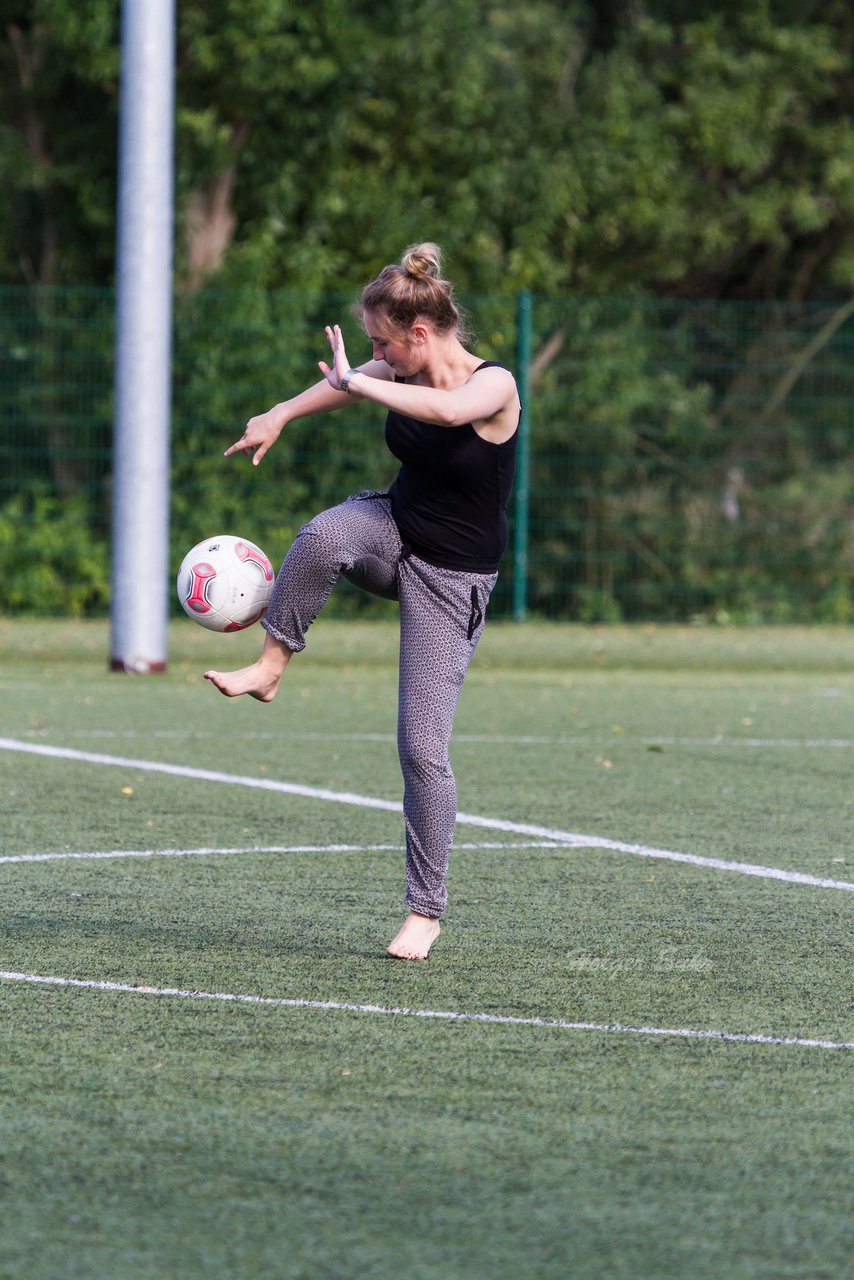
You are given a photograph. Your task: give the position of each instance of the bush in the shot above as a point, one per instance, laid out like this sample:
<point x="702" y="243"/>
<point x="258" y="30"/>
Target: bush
<point x="53" y="564"/>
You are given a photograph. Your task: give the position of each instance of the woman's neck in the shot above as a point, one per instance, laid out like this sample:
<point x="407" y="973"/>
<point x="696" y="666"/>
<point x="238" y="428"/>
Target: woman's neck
<point x="447" y="364"/>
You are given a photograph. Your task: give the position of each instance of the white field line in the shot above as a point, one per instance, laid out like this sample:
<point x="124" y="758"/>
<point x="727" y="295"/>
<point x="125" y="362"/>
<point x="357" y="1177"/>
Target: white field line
<point x="559" y="1024"/>
<point x="498" y="739"/>
<point x="211" y="851"/>
<point x="720" y="741"/>
<point x="570" y="838"/>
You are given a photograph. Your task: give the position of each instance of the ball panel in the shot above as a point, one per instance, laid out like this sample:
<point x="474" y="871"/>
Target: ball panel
<point x="249" y="555"/>
<point x="196" y="600"/>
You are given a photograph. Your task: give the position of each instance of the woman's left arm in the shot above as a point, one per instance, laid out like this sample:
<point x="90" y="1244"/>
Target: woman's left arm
<point x="481" y="398"/>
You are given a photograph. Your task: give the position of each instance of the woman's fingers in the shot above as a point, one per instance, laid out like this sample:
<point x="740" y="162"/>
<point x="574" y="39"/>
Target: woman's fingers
<point x="339" y="355"/>
<point x="249" y="447"/>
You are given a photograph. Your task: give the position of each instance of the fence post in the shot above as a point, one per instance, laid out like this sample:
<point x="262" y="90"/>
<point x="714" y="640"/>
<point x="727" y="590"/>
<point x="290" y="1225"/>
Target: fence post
<point x="524" y="316"/>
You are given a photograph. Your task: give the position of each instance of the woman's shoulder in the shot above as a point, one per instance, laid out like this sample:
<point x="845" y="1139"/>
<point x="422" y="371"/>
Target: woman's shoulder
<point x="489" y="364"/>
<point x="495" y="369"/>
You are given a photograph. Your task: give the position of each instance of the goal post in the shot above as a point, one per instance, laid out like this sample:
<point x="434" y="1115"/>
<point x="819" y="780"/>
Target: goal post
<point x="143" y="385"/>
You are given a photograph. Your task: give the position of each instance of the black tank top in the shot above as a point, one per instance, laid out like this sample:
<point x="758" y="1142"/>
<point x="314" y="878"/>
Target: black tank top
<point x="449" y="497"/>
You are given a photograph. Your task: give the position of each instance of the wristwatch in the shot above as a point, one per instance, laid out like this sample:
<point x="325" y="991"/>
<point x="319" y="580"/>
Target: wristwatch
<point x="345" y="381"/>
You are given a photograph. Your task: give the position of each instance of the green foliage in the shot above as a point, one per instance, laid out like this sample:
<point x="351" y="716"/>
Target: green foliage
<point x="58" y="118"/>
<point x="656" y="154"/>
<point x="52" y="565"/>
<point x="671" y="474"/>
<point x="718" y="152"/>
<point x="582" y="148"/>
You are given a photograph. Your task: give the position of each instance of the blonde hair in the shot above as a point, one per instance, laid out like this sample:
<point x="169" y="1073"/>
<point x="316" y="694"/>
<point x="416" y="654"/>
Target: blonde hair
<point x="412" y="290"/>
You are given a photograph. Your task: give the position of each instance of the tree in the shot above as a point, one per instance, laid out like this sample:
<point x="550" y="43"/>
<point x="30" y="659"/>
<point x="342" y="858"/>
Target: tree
<point x="720" y="152"/>
<point x="573" y="148"/>
<point x="58" y="100"/>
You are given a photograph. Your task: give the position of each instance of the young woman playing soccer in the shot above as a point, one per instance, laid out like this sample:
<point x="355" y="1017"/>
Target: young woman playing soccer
<point x="432" y="542"/>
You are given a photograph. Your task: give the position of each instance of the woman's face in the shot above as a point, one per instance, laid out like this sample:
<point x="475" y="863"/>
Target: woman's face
<point x="397" y="353"/>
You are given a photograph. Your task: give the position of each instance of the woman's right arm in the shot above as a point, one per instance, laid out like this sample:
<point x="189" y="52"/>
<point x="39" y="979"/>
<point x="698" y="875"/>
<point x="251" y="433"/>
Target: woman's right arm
<point x="263" y="431"/>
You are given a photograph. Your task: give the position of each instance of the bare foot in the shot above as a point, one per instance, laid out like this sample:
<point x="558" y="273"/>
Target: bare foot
<point x="261" y="679"/>
<point x="415" y="939"/>
<point x="258" y="681"/>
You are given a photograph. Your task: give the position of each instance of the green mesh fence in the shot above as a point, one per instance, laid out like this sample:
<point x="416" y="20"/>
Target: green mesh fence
<point x="692" y="459"/>
<point x="686" y="459"/>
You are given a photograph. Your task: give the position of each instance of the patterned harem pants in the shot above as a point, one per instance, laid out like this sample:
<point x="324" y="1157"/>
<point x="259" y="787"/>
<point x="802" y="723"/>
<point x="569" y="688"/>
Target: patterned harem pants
<point x="441" y="619"/>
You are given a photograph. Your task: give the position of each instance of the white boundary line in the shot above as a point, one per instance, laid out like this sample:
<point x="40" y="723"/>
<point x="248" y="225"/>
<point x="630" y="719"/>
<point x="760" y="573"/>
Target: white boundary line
<point x="558" y="1024"/>
<point x="206" y="851"/>
<point x="496" y="739"/>
<point x="570" y="838"/>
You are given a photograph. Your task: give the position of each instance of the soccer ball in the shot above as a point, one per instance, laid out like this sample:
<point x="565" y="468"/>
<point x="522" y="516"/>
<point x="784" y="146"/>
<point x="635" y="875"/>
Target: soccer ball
<point x="225" y="583"/>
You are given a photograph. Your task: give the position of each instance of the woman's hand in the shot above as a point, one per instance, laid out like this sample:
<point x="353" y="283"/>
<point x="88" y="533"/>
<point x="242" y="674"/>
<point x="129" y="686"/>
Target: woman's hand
<point x="260" y="434"/>
<point x="340" y="364"/>
<point x="263" y="432"/>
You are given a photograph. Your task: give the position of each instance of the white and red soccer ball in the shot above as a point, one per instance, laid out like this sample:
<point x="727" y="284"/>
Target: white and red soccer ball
<point x="225" y="583"/>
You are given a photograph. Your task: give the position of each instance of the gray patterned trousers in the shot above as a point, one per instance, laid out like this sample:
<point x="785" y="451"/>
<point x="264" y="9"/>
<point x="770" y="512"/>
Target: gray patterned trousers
<point x="441" y="619"/>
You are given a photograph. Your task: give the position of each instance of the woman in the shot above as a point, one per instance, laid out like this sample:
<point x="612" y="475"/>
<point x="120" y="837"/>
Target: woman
<point x="433" y="542"/>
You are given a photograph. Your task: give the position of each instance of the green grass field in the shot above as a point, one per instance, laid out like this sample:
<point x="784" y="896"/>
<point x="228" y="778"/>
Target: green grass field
<point x="325" y="1131"/>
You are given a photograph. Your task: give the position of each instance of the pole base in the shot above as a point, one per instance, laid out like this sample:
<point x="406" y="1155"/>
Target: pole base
<point x="137" y="666"/>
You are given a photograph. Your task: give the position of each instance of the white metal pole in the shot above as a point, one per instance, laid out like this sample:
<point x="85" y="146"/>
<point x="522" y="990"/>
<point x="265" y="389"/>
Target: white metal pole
<point x="140" y="547"/>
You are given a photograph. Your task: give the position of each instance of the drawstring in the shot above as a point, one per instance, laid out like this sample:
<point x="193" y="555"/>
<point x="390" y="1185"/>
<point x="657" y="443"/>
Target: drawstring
<point x="405" y="553"/>
<point x="476" y="616"/>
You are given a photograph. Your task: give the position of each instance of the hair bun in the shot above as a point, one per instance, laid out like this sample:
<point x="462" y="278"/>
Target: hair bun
<point x="411" y="290"/>
<point x="422" y="261"/>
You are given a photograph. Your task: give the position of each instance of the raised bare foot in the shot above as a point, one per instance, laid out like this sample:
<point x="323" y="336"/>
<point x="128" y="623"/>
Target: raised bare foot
<point x="415" y="939"/>
<point x="261" y="679"/>
<point x="258" y="681"/>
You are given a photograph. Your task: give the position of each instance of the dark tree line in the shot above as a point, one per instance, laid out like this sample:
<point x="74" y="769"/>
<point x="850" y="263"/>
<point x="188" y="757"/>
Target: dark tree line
<point x="696" y="150"/>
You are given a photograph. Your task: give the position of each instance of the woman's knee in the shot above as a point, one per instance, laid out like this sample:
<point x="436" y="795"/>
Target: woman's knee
<point x="422" y="757"/>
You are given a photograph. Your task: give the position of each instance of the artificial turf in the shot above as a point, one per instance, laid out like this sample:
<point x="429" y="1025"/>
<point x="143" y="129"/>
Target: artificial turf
<point x="150" y="1135"/>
